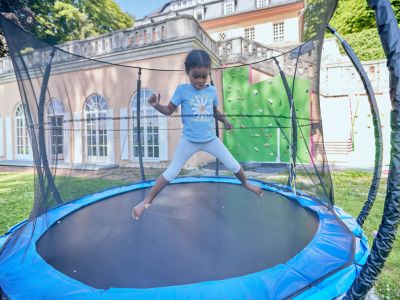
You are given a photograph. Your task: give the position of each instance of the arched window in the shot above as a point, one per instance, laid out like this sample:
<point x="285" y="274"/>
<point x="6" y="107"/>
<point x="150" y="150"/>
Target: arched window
<point x="55" y="117"/>
<point x="149" y="127"/>
<point x="21" y="134"/>
<point x="96" y="127"/>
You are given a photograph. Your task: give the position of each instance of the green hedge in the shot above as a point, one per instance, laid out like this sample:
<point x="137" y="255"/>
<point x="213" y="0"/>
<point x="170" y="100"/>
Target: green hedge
<point x="366" y="44"/>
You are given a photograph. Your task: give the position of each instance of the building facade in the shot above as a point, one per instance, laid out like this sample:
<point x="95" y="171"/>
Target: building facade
<point x="92" y="90"/>
<point x="269" y="22"/>
<point x="162" y="42"/>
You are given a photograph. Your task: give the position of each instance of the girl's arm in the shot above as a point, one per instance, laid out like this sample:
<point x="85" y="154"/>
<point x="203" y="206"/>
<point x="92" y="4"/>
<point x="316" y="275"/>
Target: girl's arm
<point x="164" y="109"/>
<point x="220" y="117"/>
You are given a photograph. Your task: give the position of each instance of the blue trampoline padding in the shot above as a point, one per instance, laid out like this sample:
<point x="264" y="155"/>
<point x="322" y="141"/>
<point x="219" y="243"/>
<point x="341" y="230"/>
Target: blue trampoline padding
<point x="340" y="282"/>
<point x="22" y="269"/>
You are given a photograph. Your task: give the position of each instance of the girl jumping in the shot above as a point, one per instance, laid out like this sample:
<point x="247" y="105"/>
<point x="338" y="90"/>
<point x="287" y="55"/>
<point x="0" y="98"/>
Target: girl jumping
<point x="199" y="103"/>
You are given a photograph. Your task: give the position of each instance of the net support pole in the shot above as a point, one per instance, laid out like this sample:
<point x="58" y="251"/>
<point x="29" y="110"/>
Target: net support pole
<point x="377" y="127"/>
<point x="390" y="38"/>
<point x="42" y="139"/>
<point x="293" y="128"/>
<point x="216" y="133"/>
<point x="138" y="133"/>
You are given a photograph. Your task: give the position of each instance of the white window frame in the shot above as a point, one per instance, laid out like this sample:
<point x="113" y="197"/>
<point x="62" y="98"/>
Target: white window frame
<point x="262" y="3"/>
<point x="96" y="108"/>
<point x="250" y="33"/>
<point x="226" y="5"/>
<point x="278" y="30"/>
<point x="196" y="11"/>
<point x="55" y="109"/>
<point x="149" y="116"/>
<point x="22" y="142"/>
<point x="222" y="36"/>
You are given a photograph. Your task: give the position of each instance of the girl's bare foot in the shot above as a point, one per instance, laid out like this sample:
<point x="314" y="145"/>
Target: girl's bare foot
<point x="254" y="188"/>
<point x="139" y="209"/>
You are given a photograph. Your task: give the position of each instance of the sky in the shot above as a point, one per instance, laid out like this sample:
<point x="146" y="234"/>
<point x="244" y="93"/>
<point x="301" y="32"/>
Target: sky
<point x="140" y="8"/>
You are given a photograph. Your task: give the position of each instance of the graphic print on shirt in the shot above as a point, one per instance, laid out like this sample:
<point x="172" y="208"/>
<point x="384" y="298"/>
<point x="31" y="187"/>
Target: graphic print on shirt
<point x="202" y="107"/>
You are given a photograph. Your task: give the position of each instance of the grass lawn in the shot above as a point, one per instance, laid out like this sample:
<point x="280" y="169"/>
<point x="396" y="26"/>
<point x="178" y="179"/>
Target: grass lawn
<point x="351" y="189"/>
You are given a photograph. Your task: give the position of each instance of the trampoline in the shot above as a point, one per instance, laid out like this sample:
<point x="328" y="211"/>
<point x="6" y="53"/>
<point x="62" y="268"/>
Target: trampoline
<point x="205" y="236"/>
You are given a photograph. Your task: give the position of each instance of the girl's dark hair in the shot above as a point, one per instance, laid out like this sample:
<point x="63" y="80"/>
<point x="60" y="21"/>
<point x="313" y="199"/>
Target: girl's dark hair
<point x="197" y="58"/>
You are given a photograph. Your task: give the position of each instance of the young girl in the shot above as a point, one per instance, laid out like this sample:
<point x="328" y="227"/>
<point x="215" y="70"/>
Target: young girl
<point x="199" y="107"/>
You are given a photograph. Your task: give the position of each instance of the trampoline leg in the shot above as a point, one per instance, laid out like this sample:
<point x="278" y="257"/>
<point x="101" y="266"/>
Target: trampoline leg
<point x="157" y="187"/>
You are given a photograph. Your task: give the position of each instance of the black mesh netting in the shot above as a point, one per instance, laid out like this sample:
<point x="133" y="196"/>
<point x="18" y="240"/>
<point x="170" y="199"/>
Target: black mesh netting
<point x="82" y="113"/>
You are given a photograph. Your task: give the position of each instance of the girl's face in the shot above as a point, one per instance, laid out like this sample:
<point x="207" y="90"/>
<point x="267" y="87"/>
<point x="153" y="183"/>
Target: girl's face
<point x="198" y="77"/>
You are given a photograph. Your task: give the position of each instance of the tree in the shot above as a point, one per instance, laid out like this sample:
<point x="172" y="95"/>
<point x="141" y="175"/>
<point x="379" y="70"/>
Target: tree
<point x="69" y="20"/>
<point x="19" y="13"/>
<point x="64" y="22"/>
<point x="106" y="15"/>
<point x="355" y="16"/>
<point x="356" y="22"/>
<point x="57" y="21"/>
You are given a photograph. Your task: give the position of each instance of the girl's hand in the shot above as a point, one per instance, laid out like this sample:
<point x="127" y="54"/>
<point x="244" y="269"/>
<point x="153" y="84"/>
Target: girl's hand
<point x="155" y="100"/>
<point x="228" y="126"/>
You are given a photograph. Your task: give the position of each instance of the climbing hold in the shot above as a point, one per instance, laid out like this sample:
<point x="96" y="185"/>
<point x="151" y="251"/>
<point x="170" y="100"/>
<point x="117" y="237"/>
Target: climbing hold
<point x="242" y="126"/>
<point x="269" y="81"/>
<point x="270" y="101"/>
<point x="255" y="92"/>
<point x="256" y="135"/>
<point x="266" y="145"/>
<point x="260" y="111"/>
<point x="256" y="149"/>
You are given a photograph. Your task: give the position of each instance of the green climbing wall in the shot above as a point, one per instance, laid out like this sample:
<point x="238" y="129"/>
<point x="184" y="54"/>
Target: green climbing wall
<point x="264" y="107"/>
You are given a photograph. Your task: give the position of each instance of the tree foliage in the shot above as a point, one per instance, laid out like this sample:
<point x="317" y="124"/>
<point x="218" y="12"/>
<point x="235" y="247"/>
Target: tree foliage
<point x="58" y="21"/>
<point x="356" y="22"/>
<point x="19" y="13"/>
<point x="66" y="20"/>
<point x="366" y="44"/>
<point x="355" y="16"/>
<point x="315" y="17"/>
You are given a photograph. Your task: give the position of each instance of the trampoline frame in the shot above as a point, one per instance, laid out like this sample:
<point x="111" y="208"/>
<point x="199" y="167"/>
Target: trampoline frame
<point x="294" y="279"/>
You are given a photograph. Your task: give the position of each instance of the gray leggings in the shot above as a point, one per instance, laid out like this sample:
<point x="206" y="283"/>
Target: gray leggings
<point x="187" y="148"/>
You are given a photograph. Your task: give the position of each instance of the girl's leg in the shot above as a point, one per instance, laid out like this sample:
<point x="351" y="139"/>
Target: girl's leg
<point x="183" y="152"/>
<point x="146" y="203"/>
<point x="218" y="149"/>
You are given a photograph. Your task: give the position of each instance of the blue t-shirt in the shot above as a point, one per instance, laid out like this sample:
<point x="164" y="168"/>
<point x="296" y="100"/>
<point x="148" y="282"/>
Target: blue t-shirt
<point x="197" y="111"/>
